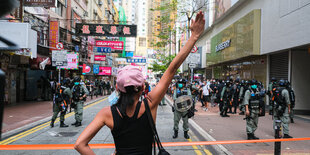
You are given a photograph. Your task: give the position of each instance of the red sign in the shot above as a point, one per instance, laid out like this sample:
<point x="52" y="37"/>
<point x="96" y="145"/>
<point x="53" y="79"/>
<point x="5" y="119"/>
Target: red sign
<point x="194" y="50"/>
<point x="86" y="69"/>
<point x="105" y="71"/>
<point x="100" y="57"/>
<point x="116" y="45"/>
<point x="53" y="34"/>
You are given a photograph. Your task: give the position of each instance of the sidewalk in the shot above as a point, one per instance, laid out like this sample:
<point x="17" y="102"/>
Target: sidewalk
<point x="26" y="113"/>
<point x="234" y="128"/>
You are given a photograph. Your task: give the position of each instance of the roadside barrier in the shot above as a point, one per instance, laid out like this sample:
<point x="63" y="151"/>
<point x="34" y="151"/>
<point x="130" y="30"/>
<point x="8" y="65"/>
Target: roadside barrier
<point x="165" y="144"/>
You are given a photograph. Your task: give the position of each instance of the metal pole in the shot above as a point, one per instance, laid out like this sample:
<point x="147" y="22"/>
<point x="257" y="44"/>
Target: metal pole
<point x="192" y="74"/>
<point x="277" y="145"/>
<point x="59" y="75"/>
<point x="2" y="83"/>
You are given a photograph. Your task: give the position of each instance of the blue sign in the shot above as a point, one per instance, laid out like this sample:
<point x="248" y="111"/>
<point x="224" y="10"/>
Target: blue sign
<point x="76" y="48"/>
<point x="136" y="60"/>
<point x="129" y="54"/>
<point x="96" y="69"/>
<point x="103" y="49"/>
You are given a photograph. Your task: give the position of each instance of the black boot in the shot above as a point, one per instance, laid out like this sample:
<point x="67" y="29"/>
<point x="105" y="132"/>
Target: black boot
<point x="52" y="123"/>
<point x="292" y="120"/>
<point x="250" y="136"/>
<point x="186" y="136"/>
<point x="78" y="124"/>
<point x="74" y="123"/>
<point x="254" y="137"/>
<point x="287" y="136"/>
<point x="175" y="135"/>
<point x="63" y="125"/>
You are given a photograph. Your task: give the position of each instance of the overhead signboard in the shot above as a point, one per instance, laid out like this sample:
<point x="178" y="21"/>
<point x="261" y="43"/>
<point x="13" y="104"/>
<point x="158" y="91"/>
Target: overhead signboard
<point x="100" y="57"/>
<point x="105" y="71"/>
<point x="59" y="58"/>
<point x="192" y="65"/>
<point x="54" y="34"/>
<point x="40" y="3"/>
<point x="96" y="69"/>
<point x="72" y="61"/>
<point x="115" y="45"/>
<point x="136" y="60"/>
<point x="103" y="49"/>
<point x="109" y="30"/>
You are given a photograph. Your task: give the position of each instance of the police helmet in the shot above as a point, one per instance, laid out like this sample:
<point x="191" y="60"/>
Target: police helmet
<point x="287" y="83"/>
<point x="253" y="82"/>
<point x="76" y="79"/>
<point x="282" y="83"/>
<point x="273" y="79"/>
<point x="237" y="80"/>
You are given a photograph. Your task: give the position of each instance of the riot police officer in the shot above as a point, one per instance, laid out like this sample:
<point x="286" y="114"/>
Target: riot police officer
<point x="182" y="103"/>
<point x="61" y="100"/>
<point x="252" y="99"/>
<point x="226" y="96"/>
<point x="79" y="93"/>
<point x="243" y="88"/>
<point x="270" y="95"/>
<point x="292" y="99"/>
<point x="235" y="95"/>
<point x="282" y="107"/>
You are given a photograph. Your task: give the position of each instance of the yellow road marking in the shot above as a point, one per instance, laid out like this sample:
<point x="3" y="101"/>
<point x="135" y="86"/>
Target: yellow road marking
<point x="207" y="152"/>
<point x="39" y="127"/>
<point x="197" y="151"/>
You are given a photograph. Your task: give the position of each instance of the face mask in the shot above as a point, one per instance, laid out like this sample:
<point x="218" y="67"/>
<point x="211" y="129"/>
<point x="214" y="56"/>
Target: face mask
<point x="113" y="98"/>
<point x="180" y="85"/>
<point x="254" y="86"/>
<point x="76" y="83"/>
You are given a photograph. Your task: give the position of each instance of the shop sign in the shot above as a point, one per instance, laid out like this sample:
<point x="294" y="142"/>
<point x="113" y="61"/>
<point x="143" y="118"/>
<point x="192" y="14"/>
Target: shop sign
<point x="105" y="71"/>
<point x="40" y="3"/>
<point x="86" y="69"/>
<point x="222" y="45"/>
<point x="59" y="58"/>
<point x="114" y="71"/>
<point x="136" y="60"/>
<point x="72" y="61"/>
<point x="100" y="57"/>
<point x="96" y="69"/>
<point x="54" y="34"/>
<point x="115" y="45"/>
<point x="103" y="49"/>
<point x="107" y="30"/>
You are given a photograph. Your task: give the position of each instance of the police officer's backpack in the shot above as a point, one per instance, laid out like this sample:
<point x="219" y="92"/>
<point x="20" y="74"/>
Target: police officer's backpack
<point x="76" y="93"/>
<point x="279" y="100"/>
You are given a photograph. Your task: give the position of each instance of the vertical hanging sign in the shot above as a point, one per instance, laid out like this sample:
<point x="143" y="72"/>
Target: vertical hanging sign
<point x="53" y="34"/>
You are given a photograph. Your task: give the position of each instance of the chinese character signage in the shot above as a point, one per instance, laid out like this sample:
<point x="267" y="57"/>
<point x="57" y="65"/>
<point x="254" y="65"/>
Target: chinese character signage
<point x="54" y="33"/>
<point x="100" y="57"/>
<point x="96" y="69"/>
<point x="106" y="30"/>
<point x="115" y="45"/>
<point x="136" y="60"/>
<point x="40" y="3"/>
<point x="105" y="71"/>
<point x="72" y="61"/>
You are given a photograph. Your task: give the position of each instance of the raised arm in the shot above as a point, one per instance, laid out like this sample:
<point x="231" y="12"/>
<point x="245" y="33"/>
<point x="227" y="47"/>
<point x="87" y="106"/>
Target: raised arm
<point x="197" y="27"/>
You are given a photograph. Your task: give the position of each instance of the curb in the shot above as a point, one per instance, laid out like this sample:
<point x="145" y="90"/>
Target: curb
<point x="219" y="148"/>
<point x="36" y="123"/>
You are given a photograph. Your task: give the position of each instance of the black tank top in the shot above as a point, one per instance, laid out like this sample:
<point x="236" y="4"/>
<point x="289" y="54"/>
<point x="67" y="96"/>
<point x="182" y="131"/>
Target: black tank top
<point x="132" y="135"/>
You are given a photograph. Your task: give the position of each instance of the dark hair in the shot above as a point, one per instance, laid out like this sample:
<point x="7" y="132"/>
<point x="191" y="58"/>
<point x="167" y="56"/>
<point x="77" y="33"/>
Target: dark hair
<point x="127" y="98"/>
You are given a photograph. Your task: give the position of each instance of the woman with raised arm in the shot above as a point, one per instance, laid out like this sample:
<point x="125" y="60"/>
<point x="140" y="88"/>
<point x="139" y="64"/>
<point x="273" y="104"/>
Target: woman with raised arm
<point x="127" y="118"/>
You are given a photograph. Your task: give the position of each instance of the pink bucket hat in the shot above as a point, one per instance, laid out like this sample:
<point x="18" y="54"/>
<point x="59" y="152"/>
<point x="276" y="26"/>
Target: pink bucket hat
<point x="129" y="76"/>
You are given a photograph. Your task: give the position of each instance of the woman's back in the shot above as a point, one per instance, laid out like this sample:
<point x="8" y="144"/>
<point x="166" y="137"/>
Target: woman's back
<point x="132" y="135"/>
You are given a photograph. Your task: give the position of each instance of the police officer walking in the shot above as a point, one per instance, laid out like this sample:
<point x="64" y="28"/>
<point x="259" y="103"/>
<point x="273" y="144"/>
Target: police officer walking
<point x="252" y="99"/>
<point x="282" y="107"/>
<point x="79" y="93"/>
<point x="61" y="100"/>
<point x="226" y="96"/>
<point x="181" y="96"/>
<point x="270" y="95"/>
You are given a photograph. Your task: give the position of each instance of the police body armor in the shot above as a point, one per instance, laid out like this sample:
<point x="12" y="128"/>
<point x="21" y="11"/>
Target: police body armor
<point x="183" y="101"/>
<point x="77" y="93"/>
<point x="255" y="100"/>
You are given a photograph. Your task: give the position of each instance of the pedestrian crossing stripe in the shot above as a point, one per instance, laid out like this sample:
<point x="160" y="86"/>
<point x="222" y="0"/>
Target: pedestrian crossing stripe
<point x="42" y="126"/>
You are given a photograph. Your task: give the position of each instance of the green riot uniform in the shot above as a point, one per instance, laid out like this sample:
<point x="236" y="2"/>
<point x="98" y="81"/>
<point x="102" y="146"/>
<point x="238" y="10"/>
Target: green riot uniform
<point x="252" y="100"/>
<point x="285" y="117"/>
<point x="57" y="107"/>
<point x="77" y="92"/>
<point x="270" y="87"/>
<point x="180" y="114"/>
